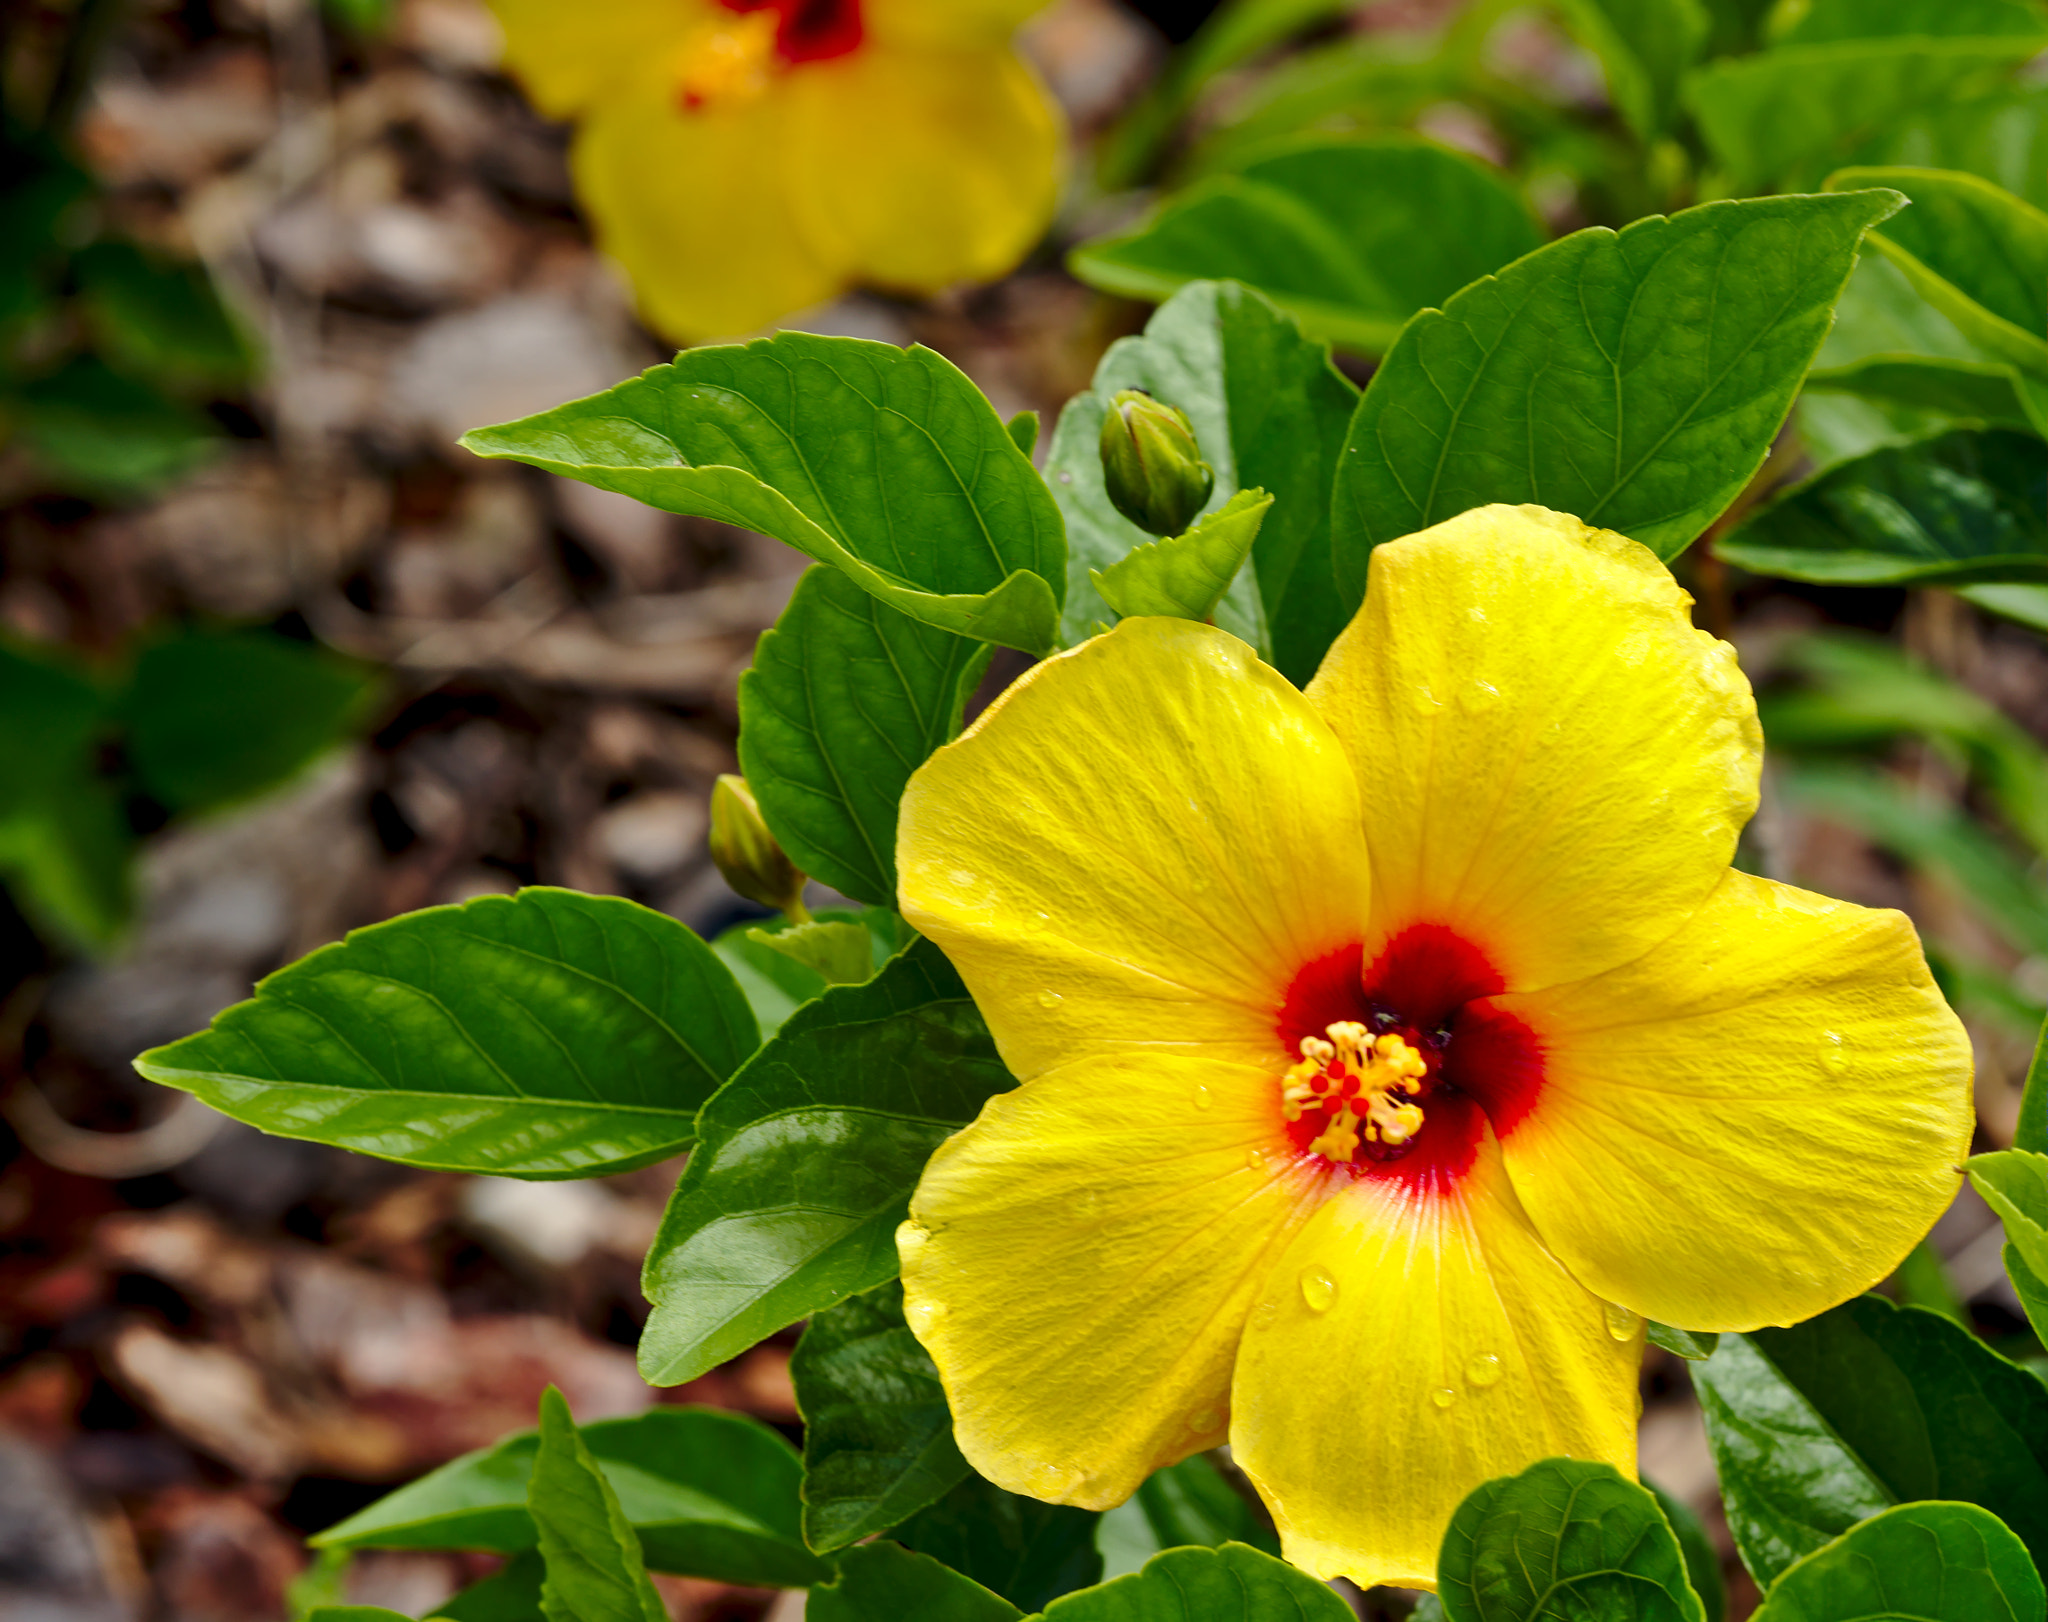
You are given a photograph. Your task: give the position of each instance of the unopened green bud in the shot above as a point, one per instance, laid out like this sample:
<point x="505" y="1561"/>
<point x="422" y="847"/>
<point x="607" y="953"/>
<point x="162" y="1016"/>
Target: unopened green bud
<point x="1151" y="463"/>
<point x="746" y="852"/>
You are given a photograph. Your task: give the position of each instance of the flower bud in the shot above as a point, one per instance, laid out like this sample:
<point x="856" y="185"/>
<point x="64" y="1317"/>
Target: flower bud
<point x="746" y="852"/>
<point x="1151" y="463"/>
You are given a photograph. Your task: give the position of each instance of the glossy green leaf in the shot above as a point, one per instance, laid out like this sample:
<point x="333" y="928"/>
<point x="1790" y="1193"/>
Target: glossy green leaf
<point x="2014" y="1183"/>
<point x="511" y="1594"/>
<point x="1950" y="844"/>
<point x="1634" y="379"/>
<point x="1961" y="508"/>
<point x="2031" y="1131"/>
<point x="1230" y="1584"/>
<point x="806" y="1161"/>
<point x="1818" y="1426"/>
<point x="1185" y="576"/>
<point x="1191" y="1503"/>
<point x="837" y="953"/>
<point x="105" y="433"/>
<point x="1270" y="412"/>
<point x="886" y="463"/>
<point x="1644" y="46"/>
<point x="1919" y="1563"/>
<point x="885" y="1582"/>
<point x="846" y="698"/>
<point x="1702" y="1559"/>
<point x="1350" y="235"/>
<point x="711" y="1494"/>
<point x="1968" y="391"/>
<point x="159" y="317"/>
<point x="2003" y="137"/>
<point x="1799" y="110"/>
<point x="878" y="1437"/>
<point x="776" y="984"/>
<point x="1691" y="1344"/>
<point x="590" y="1557"/>
<point x="1565" y="1537"/>
<point x="545" y="1035"/>
<point x="1975" y="252"/>
<point x="216" y="716"/>
<point x="1026" y="1551"/>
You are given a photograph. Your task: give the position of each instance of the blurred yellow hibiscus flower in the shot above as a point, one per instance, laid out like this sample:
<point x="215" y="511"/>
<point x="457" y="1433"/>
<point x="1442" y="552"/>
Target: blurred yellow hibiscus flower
<point x="747" y="158"/>
<point x="1390" y="1051"/>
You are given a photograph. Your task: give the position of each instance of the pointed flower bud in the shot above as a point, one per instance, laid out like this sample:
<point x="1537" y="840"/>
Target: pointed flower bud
<point x="746" y="852"/>
<point x="1151" y="463"/>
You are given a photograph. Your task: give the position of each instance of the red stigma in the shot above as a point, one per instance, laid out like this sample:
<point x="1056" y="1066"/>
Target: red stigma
<point x="1430" y="985"/>
<point x="809" y="30"/>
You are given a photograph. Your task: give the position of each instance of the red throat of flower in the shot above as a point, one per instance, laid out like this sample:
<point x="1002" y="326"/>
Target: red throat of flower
<point x="733" y="56"/>
<point x="1402" y="1060"/>
<point x="808" y="30"/>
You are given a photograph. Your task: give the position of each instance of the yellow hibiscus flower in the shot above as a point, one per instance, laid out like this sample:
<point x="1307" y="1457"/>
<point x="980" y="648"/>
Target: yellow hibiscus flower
<point x="1390" y="1051"/>
<point x="746" y="158"/>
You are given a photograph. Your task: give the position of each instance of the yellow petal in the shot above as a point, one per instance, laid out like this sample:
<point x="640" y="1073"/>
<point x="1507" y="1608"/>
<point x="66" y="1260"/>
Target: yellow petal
<point x="1137" y="847"/>
<point x="1410" y="1344"/>
<point x="923" y="168"/>
<point x="1554" y="763"/>
<point x="1750" y="1124"/>
<point x="928" y="23"/>
<point x="1079" y="1262"/>
<point x="570" y="57"/>
<point x="695" y="206"/>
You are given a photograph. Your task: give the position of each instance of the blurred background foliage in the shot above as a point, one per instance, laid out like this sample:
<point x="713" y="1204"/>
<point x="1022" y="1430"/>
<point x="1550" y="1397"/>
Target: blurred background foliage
<point x="277" y="659"/>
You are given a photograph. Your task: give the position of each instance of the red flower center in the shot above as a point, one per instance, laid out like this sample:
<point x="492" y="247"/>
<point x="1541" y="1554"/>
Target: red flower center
<point x="809" y="30"/>
<point x="1354" y="1100"/>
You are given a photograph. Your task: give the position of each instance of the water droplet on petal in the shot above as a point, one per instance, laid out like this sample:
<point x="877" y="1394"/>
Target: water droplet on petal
<point x="1443" y="1396"/>
<point x="1623" y="1324"/>
<point x="1318" y="1289"/>
<point x="1483" y="1371"/>
<point x="1834" y="1057"/>
<point x="1204" y="1099"/>
<point x="1255" y="1159"/>
<point x="1049" y="999"/>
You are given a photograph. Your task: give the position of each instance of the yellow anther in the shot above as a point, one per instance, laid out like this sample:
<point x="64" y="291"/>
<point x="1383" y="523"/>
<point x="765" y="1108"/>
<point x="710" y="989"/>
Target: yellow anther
<point x="1382" y="1067"/>
<point x="1393" y="1123"/>
<point x="1338" y="1140"/>
<point x="726" y="61"/>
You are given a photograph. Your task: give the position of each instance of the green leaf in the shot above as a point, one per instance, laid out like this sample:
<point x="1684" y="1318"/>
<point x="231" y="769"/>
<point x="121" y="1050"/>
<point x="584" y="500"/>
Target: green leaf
<point x="2014" y="1183"/>
<point x="1799" y="110"/>
<point x="1565" y="1537"/>
<point x="1185" y="576"/>
<point x="1962" y="507"/>
<point x="776" y="984"/>
<point x="511" y="1594"/>
<point x="1822" y="22"/>
<point x="159" y="317"/>
<point x="1949" y="843"/>
<point x="2004" y="138"/>
<point x="1818" y="1426"/>
<point x="66" y="856"/>
<point x="543" y="1035"/>
<point x="217" y="716"/>
<point x="1645" y="46"/>
<point x="1926" y="1562"/>
<point x="1230" y="1584"/>
<point x="1691" y="1344"/>
<point x="1023" y="431"/>
<point x="51" y="712"/>
<point x="846" y="698"/>
<point x="1351" y="236"/>
<point x="594" y="1572"/>
<point x="839" y="954"/>
<point x="878" y="1437"/>
<point x="885" y="1582"/>
<point x="2031" y="1131"/>
<point x="106" y="434"/>
<point x="1971" y="391"/>
<point x="806" y="1160"/>
<point x="1191" y="1503"/>
<point x="887" y="463"/>
<point x="711" y="1494"/>
<point x="1270" y="412"/>
<point x="1975" y="252"/>
<point x="1634" y="379"/>
<point x="1702" y="1559"/>
<point x="1026" y="1551"/>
